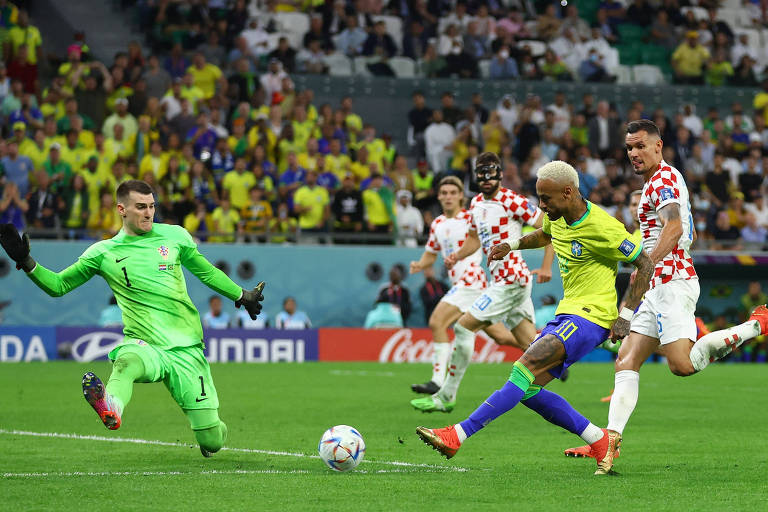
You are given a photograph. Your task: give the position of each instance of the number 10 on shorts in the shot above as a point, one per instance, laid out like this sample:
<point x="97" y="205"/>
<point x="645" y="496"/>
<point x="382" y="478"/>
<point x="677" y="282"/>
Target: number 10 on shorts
<point x="566" y="330"/>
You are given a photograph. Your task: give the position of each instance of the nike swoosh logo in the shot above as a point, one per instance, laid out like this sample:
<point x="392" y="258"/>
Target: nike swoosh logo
<point x="118" y="260"/>
<point x="200" y="399"/>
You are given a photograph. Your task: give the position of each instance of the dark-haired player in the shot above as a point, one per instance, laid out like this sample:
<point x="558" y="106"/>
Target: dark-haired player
<point x="163" y="336"/>
<point x="497" y="215"/>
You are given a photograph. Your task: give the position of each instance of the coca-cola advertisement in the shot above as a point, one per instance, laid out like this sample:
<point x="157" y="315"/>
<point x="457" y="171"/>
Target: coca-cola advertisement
<point x="399" y="346"/>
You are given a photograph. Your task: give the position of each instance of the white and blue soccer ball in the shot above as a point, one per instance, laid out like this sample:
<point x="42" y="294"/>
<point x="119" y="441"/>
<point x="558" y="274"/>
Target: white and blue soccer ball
<point x="342" y="448"/>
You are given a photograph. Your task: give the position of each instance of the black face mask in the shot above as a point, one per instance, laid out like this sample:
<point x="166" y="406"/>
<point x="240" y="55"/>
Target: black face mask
<point x="488" y="172"/>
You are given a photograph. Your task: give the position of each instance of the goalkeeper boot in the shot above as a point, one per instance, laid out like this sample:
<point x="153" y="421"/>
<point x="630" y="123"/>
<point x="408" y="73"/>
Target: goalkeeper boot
<point x="604" y="451"/>
<point x="428" y="388"/>
<point x="432" y="403"/>
<point x="760" y="315"/>
<point x="444" y="440"/>
<point x="102" y="403"/>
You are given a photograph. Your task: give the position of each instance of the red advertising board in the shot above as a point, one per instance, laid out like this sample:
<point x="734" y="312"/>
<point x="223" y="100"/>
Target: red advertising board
<point x="399" y="346"/>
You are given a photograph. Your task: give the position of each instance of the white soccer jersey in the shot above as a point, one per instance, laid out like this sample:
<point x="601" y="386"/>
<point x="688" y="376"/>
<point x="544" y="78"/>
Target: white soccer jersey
<point x="446" y="236"/>
<point x="667" y="186"/>
<point x="500" y="220"/>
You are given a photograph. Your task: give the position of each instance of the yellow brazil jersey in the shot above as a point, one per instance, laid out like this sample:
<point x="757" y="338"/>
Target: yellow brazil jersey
<point x="30" y="36"/>
<point x="238" y="186"/>
<point x="158" y="165"/>
<point x="35" y="153"/>
<point x="206" y="78"/>
<point x="76" y="157"/>
<point x="307" y="161"/>
<point x="588" y="252"/>
<point x="338" y="164"/>
<point x="316" y="199"/>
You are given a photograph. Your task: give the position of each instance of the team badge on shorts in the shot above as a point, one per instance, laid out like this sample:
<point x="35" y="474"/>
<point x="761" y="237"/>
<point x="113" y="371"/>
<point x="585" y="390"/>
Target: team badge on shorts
<point x="163" y="250"/>
<point x="576" y="248"/>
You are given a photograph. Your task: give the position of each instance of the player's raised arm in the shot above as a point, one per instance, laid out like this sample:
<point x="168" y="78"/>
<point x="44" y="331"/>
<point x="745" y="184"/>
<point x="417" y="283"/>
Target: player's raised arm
<point x="532" y="240"/>
<point x="218" y="281"/>
<point x="54" y="284"/>
<point x="544" y="273"/>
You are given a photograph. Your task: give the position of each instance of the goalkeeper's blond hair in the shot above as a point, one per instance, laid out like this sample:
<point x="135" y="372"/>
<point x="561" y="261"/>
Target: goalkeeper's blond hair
<point x="560" y="172"/>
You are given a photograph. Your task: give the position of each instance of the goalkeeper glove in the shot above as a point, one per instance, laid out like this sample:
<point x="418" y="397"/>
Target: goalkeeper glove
<point x="251" y="299"/>
<point x="17" y="247"/>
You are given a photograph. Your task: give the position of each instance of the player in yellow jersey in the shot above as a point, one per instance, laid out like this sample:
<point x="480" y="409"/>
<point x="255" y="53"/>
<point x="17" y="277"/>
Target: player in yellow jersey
<point x="589" y="243"/>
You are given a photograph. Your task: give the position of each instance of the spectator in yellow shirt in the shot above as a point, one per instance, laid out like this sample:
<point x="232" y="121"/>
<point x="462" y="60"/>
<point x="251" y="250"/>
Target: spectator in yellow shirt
<point x="95" y="184"/>
<point x="36" y="149"/>
<point x="238" y="141"/>
<point x="282" y="227"/>
<point x="156" y="161"/>
<point x="237" y="183"/>
<point x="226" y="222"/>
<point x="26" y="34"/>
<point x="257" y="214"/>
<point x="761" y="100"/>
<point x="336" y="161"/>
<point x="377" y="149"/>
<point x="206" y="76"/>
<point x="379" y="204"/>
<point x="360" y="167"/>
<point x="308" y="159"/>
<point x="119" y="145"/>
<point x="312" y="204"/>
<point x="199" y="222"/>
<point x="73" y="153"/>
<point x="690" y="60"/>
<point x="191" y="92"/>
<point x="106" y="223"/>
<point x="303" y="128"/>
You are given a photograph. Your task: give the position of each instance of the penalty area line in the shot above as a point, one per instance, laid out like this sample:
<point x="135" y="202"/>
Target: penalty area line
<point x="80" y="437"/>
<point x="68" y="474"/>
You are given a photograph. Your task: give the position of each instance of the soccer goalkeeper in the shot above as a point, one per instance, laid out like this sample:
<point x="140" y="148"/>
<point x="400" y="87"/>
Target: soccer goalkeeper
<point x="163" y="336"/>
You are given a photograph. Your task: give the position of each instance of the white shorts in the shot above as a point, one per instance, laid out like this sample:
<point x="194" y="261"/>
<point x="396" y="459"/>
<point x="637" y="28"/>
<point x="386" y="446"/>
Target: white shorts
<point x="509" y="303"/>
<point x="668" y="311"/>
<point x="461" y="297"/>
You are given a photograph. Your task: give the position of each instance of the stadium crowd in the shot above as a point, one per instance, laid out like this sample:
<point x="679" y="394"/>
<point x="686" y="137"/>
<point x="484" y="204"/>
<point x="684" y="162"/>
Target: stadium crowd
<point x="213" y="121"/>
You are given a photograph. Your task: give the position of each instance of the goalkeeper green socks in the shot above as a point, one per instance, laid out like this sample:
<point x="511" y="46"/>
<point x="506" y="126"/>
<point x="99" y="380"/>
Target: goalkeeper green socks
<point x="127" y="369"/>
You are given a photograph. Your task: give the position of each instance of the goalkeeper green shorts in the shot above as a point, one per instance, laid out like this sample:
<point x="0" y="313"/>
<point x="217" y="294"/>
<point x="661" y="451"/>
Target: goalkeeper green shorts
<point x="184" y="371"/>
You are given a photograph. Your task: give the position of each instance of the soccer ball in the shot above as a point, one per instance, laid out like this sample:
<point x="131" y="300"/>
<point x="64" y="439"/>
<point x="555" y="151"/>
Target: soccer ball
<point x="341" y="448"/>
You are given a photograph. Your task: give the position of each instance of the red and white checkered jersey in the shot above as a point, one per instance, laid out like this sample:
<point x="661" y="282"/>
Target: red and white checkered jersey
<point x="500" y="220"/>
<point x="667" y="186"/>
<point x="446" y="236"/>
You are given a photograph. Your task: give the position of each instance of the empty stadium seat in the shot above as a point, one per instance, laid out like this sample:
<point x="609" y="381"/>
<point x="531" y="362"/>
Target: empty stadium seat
<point x="699" y="12"/>
<point x="537" y="47"/>
<point x="623" y="74"/>
<point x="484" y="66"/>
<point x="647" y="74"/>
<point x="404" y="67"/>
<point x="360" y="65"/>
<point x="338" y="64"/>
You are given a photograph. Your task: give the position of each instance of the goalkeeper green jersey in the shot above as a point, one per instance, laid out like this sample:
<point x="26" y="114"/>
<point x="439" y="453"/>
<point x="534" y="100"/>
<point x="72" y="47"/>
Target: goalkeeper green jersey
<point x="588" y="252"/>
<point x="145" y="274"/>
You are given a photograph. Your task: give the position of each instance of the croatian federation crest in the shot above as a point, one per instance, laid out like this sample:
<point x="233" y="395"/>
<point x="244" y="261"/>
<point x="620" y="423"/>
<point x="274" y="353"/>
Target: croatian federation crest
<point x="163" y="250"/>
<point x="576" y="248"/>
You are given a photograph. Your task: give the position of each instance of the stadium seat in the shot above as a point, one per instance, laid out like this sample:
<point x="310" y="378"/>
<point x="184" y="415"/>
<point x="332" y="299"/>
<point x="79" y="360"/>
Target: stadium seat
<point x="699" y="12"/>
<point x="623" y="74"/>
<point x="484" y="66"/>
<point x="404" y="67"/>
<point x="293" y="22"/>
<point x="338" y="64"/>
<point x="537" y="47"/>
<point x="630" y="53"/>
<point x="360" y="65"/>
<point x="753" y="34"/>
<point x="631" y="33"/>
<point x="647" y="74"/>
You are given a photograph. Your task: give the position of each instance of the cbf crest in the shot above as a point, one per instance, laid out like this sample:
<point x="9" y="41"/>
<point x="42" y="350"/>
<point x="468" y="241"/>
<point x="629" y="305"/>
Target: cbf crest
<point x="163" y="250"/>
<point x="576" y="248"/>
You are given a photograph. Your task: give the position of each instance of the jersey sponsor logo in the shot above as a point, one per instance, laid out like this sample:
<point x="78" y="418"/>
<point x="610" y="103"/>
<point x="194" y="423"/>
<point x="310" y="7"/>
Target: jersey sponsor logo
<point x="576" y="248"/>
<point x="666" y="194"/>
<point x="626" y="248"/>
<point x="163" y="250"/>
<point x="118" y="260"/>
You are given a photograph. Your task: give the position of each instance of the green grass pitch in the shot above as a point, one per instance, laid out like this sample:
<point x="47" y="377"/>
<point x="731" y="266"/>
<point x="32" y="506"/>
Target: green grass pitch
<point x="693" y="444"/>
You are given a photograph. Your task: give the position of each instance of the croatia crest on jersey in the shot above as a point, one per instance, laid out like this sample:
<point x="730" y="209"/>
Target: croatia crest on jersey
<point x="576" y="248"/>
<point x="163" y="250"/>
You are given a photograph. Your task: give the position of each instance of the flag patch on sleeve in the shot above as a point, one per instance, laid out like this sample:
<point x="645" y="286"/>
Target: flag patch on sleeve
<point x="666" y="194"/>
<point x="626" y="248"/>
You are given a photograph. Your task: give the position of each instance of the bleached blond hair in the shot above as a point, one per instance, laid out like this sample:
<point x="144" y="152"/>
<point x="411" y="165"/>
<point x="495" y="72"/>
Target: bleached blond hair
<point x="560" y="172"/>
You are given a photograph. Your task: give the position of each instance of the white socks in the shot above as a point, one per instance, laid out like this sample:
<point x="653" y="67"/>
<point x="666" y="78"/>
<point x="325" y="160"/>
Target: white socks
<point x="460" y="432"/>
<point x="624" y="399"/>
<point x="463" y="348"/>
<point x="592" y="434"/>
<point x="441" y="353"/>
<point x="718" y="344"/>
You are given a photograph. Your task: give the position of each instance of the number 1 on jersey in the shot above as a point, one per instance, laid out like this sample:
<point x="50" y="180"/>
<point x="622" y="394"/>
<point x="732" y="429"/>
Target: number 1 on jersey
<point x="127" y="281"/>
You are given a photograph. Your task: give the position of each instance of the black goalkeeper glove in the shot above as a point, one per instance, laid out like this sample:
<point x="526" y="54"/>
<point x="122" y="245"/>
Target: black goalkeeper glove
<point x="251" y="299"/>
<point x="16" y="246"/>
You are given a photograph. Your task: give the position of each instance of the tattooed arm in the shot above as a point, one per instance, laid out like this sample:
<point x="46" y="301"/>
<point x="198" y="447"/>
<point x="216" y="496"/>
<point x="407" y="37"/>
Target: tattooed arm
<point x="530" y="241"/>
<point x="670" y="233"/>
<point x="634" y="295"/>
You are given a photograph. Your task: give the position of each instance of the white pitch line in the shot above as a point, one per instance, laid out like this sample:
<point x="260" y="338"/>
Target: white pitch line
<point x="59" y="435"/>
<point x="361" y="373"/>
<point x="64" y="474"/>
